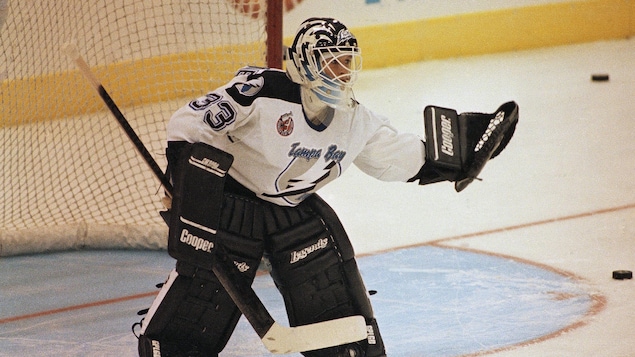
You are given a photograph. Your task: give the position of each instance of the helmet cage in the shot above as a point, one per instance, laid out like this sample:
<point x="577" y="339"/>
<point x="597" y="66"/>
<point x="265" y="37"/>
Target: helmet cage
<point x="336" y="68"/>
<point x="325" y="58"/>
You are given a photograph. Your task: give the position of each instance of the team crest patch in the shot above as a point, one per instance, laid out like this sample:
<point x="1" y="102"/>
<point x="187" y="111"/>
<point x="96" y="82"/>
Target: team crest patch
<point x="285" y="124"/>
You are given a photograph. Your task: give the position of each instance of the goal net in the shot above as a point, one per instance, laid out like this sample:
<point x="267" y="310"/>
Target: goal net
<point x="70" y="177"/>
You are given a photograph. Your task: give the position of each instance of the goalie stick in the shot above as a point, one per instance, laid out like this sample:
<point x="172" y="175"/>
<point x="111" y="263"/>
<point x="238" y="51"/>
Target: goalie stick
<point x="276" y="338"/>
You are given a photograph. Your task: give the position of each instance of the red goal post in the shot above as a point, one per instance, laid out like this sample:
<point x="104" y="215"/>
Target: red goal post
<point x="70" y="177"/>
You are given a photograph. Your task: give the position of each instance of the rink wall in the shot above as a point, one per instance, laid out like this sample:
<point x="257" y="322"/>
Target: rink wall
<point x="390" y="32"/>
<point x="503" y="30"/>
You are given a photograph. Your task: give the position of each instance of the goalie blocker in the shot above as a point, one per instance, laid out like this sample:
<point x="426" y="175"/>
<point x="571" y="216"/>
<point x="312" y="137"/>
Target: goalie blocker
<point x="459" y="145"/>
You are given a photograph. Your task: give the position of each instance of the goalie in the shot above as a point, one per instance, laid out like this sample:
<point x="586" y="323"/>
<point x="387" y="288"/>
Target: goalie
<point x="247" y="159"/>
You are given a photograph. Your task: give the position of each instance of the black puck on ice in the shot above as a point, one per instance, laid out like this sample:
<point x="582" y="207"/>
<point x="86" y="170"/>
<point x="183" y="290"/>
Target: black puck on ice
<point x="600" y="77"/>
<point x="622" y="274"/>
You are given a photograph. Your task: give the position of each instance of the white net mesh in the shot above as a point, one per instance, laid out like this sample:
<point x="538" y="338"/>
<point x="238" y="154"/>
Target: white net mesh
<point x="70" y="176"/>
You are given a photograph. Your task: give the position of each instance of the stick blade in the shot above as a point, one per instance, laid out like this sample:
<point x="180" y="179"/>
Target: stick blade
<point x="281" y="340"/>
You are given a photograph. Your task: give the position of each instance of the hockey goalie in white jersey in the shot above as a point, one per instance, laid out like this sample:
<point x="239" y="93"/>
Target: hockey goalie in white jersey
<point x="289" y="134"/>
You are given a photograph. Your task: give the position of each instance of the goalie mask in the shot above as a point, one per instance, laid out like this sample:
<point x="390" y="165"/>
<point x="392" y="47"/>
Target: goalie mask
<point x="325" y="58"/>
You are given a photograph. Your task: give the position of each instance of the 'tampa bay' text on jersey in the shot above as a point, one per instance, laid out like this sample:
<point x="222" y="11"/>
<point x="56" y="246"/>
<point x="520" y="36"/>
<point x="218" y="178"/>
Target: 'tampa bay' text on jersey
<point x="278" y="153"/>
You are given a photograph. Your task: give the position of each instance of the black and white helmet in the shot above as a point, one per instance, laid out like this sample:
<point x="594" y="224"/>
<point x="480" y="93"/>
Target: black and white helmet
<point x="325" y="58"/>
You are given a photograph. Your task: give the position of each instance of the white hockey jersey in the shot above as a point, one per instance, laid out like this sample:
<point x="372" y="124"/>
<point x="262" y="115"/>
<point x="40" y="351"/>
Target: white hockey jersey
<point x="278" y="153"/>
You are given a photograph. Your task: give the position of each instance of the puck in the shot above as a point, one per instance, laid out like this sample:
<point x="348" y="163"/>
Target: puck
<point x="600" y="77"/>
<point x="622" y="274"/>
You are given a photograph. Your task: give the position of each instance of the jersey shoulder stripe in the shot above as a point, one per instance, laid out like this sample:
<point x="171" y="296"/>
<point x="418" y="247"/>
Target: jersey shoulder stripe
<point x="251" y="83"/>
